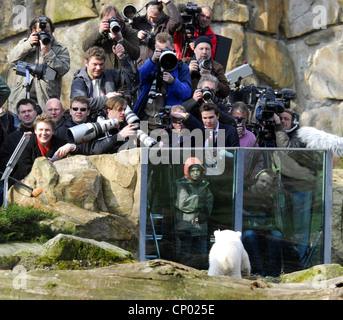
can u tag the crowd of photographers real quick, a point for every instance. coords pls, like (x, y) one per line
(152, 61)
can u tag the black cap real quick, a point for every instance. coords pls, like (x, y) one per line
(202, 39)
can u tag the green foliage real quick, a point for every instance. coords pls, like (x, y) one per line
(19, 223)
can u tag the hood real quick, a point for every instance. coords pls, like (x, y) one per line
(190, 162)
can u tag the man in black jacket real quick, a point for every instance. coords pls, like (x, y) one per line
(79, 111)
(210, 121)
(26, 110)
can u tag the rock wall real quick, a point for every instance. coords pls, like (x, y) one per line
(96, 196)
(289, 43)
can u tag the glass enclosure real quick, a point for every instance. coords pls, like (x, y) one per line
(278, 198)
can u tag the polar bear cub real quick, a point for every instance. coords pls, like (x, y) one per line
(227, 256)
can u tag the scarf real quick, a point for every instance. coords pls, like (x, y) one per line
(43, 150)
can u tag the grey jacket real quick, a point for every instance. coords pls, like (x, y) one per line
(111, 80)
(58, 59)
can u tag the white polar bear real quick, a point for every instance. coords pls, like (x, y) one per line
(227, 256)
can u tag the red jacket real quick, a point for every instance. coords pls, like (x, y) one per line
(179, 43)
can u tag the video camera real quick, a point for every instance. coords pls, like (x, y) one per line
(189, 12)
(269, 102)
(41, 71)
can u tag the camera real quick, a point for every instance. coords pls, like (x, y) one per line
(166, 118)
(131, 117)
(168, 60)
(269, 105)
(43, 35)
(40, 71)
(205, 64)
(206, 94)
(239, 121)
(114, 25)
(149, 39)
(88, 131)
(191, 12)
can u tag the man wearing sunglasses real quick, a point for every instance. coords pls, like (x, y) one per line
(79, 112)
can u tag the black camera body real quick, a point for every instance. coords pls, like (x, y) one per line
(269, 105)
(149, 40)
(40, 71)
(166, 118)
(191, 13)
(43, 35)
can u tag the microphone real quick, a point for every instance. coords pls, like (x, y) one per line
(181, 7)
(36, 192)
(287, 93)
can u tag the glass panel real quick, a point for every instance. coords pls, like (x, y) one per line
(184, 210)
(283, 211)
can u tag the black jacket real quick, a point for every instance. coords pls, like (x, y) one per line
(98, 145)
(9, 145)
(32, 152)
(231, 135)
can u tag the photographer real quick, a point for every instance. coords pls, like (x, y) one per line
(161, 88)
(115, 109)
(99, 84)
(202, 28)
(240, 113)
(79, 112)
(202, 63)
(40, 47)
(206, 92)
(155, 21)
(113, 40)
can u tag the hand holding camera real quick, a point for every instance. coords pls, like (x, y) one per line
(118, 50)
(156, 56)
(104, 26)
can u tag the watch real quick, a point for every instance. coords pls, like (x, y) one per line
(185, 117)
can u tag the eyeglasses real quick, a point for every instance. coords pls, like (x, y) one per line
(81, 109)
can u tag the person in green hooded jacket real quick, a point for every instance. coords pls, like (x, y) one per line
(194, 203)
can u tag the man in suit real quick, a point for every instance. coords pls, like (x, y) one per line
(210, 121)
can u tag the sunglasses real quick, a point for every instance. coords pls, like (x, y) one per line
(81, 109)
